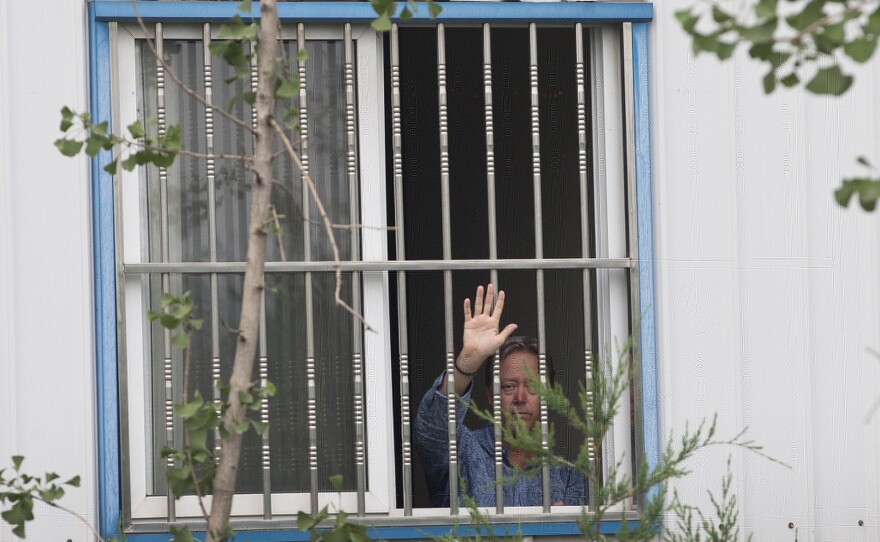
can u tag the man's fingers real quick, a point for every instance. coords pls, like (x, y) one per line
(505, 333)
(490, 296)
(478, 301)
(499, 305)
(467, 309)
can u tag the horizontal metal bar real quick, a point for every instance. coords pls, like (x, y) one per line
(409, 265)
(362, 12)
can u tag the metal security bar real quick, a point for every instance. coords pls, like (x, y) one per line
(357, 331)
(400, 246)
(539, 251)
(447, 274)
(166, 279)
(583, 168)
(210, 167)
(311, 407)
(493, 255)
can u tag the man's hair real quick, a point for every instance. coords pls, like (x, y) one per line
(518, 343)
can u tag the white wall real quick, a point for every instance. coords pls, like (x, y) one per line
(766, 296)
(46, 353)
(767, 293)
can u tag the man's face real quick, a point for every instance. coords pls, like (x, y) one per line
(516, 397)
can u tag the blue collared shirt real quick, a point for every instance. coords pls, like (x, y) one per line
(476, 452)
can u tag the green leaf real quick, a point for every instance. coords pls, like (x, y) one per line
(790, 80)
(868, 191)
(16, 461)
(187, 410)
(304, 522)
(687, 20)
(169, 321)
(19, 531)
(302, 55)
(73, 481)
(336, 481)
(287, 88)
(434, 9)
(94, 145)
(245, 6)
(136, 129)
(811, 13)
(181, 534)
(864, 161)
(51, 476)
(381, 23)
(724, 50)
(51, 494)
(68, 147)
(770, 82)
(196, 323)
(270, 389)
(66, 118)
(406, 14)
(180, 339)
(100, 128)
(765, 8)
(249, 97)
(259, 427)
(872, 26)
(835, 33)
(860, 49)
(237, 30)
(719, 15)
(762, 33)
(830, 80)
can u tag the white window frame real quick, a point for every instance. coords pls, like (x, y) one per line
(380, 494)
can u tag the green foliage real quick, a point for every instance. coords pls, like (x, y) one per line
(867, 189)
(177, 316)
(339, 530)
(593, 414)
(386, 9)
(690, 529)
(19, 491)
(815, 38)
(137, 150)
(808, 45)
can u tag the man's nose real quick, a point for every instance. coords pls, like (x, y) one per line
(520, 396)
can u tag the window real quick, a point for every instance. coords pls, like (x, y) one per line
(576, 284)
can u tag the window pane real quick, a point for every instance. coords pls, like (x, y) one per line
(189, 241)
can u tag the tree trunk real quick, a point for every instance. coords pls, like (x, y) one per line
(249, 324)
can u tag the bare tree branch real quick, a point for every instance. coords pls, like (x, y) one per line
(325, 220)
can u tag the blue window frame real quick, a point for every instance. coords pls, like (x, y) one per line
(101, 13)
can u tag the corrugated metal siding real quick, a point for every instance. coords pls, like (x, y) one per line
(46, 356)
(767, 291)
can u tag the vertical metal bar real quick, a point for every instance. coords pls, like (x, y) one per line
(493, 254)
(166, 279)
(580, 77)
(600, 217)
(447, 274)
(210, 167)
(632, 225)
(539, 249)
(312, 405)
(403, 338)
(263, 360)
(357, 330)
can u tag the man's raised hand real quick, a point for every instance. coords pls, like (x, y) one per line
(481, 337)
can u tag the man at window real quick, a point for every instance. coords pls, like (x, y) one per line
(519, 359)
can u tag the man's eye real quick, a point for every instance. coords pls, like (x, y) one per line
(508, 388)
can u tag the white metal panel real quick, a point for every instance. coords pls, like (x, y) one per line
(766, 291)
(47, 410)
